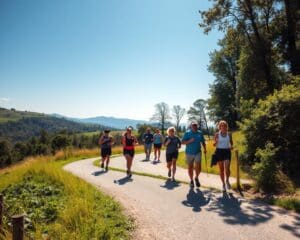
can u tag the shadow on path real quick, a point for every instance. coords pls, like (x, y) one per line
(229, 207)
(97, 173)
(123, 180)
(295, 228)
(195, 199)
(170, 185)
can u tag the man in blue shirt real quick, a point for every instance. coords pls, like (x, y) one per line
(193, 139)
(148, 140)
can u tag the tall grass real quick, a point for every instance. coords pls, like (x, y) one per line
(87, 213)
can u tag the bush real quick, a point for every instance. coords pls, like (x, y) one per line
(269, 177)
(275, 120)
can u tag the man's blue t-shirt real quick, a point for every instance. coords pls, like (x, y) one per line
(148, 138)
(194, 147)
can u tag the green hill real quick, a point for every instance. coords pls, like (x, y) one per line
(21, 125)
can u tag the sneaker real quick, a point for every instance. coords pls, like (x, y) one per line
(173, 179)
(102, 165)
(130, 175)
(169, 173)
(192, 183)
(228, 185)
(197, 182)
(223, 188)
(106, 168)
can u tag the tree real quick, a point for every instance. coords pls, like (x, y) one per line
(223, 101)
(255, 19)
(178, 113)
(59, 142)
(161, 114)
(197, 113)
(5, 155)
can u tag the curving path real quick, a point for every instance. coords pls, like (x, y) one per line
(166, 210)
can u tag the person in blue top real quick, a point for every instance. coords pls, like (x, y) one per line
(157, 142)
(148, 140)
(193, 139)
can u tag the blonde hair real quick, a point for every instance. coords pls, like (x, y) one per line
(223, 122)
(169, 129)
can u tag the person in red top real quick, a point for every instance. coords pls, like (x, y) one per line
(129, 141)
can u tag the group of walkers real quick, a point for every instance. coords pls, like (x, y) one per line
(193, 139)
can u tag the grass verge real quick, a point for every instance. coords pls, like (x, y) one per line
(81, 211)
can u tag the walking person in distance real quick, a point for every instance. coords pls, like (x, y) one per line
(105, 142)
(128, 142)
(172, 143)
(157, 142)
(148, 140)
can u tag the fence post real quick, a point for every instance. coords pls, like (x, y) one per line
(1, 210)
(18, 227)
(238, 184)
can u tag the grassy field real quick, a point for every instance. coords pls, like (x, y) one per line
(237, 138)
(82, 213)
(9, 115)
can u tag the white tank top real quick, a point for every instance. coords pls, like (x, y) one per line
(223, 142)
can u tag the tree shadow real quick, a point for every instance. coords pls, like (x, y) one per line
(295, 228)
(170, 185)
(195, 199)
(229, 207)
(97, 173)
(123, 180)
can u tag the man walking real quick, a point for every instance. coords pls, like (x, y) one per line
(148, 140)
(193, 139)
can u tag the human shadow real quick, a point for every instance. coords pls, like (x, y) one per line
(195, 199)
(123, 180)
(144, 160)
(294, 228)
(97, 173)
(229, 207)
(170, 185)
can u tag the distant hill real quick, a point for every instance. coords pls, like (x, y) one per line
(21, 125)
(118, 123)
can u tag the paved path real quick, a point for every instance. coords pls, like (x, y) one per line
(166, 210)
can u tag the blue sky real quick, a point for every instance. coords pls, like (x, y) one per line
(85, 58)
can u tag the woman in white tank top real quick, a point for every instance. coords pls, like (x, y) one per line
(224, 144)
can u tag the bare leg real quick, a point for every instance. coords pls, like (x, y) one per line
(158, 154)
(191, 170)
(129, 162)
(227, 169)
(197, 169)
(221, 167)
(174, 167)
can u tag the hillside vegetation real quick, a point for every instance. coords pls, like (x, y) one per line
(19, 126)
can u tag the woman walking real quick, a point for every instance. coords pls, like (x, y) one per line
(128, 141)
(224, 145)
(105, 143)
(173, 143)
(157, 141)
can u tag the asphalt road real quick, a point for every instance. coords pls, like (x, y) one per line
(167, 210)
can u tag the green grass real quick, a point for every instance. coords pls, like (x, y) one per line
(237, 138)
(288, 203)
(8, 115)
(85, 213)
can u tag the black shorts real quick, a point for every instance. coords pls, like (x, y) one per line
(171, 156)
(223, 154)
(157, 145)
(105, 152)
(128, 152)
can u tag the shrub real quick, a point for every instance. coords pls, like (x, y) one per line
(274, 120)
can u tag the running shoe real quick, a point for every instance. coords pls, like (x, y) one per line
(169, 173)
(173, 179)
(102, 165)
(223, 188)
(106, 168)
(192, 184)
(228, 185)
(197, 182)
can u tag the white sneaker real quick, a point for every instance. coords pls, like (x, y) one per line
(228, 185)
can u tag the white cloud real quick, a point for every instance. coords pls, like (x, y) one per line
(4, 100)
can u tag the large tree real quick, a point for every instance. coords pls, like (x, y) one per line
(255, 19)
(178, 113)
(161, 115)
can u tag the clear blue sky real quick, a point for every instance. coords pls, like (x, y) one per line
(84, 58)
